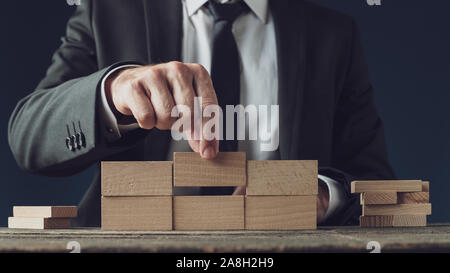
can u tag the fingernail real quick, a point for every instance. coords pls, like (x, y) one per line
(209, 152)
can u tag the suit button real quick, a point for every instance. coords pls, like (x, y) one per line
(76, 144)
(69, 143)
(78, 140)
(82, 139)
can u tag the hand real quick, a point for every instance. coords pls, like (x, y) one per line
(323, 200)
(150, 92)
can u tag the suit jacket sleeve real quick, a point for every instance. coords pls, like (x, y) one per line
(67, 95)
(359, 147)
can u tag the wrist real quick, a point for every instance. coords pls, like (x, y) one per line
(109, 89)
(323, 200)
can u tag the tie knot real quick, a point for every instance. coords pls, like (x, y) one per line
(226, 12)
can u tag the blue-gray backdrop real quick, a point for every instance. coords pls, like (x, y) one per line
(407, 44)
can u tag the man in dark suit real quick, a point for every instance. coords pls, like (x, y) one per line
(123, 66)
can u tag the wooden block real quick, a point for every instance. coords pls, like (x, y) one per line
(400, 209)
(280, 212)
(282, 177)
(136, 178)
(38, 223)
(208, 212)
(227, 169)
(378, 198)
(393, 221)
(426, 186)
(386, 185)
(137, 213)
(45, 211)
(413, 197)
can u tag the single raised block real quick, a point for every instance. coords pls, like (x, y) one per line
(282, 177)
(208, 212)
(379, 198)
(38, 223)
(45, 211)
(280, 212)
(386, 185)
(393, 221)
(226, 170)
(400, 209)
(136, 178)
(137, 213)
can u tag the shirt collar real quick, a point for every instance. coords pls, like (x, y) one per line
(259, 7)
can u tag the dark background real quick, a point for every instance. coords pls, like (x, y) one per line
(407, 44)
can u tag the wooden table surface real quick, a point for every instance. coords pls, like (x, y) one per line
(434, 238)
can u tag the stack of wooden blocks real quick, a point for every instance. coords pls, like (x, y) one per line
(139, 195)
(281, 194)
(42, 217)
(136, 195)
(393, 203)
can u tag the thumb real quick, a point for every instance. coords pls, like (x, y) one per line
(207, 149)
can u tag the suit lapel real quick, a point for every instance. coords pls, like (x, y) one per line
(291, 52)
(163, 19)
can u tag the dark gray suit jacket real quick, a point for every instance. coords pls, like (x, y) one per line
(326, 102)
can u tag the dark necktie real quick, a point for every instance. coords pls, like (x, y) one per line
(225, 67)
(225, 71)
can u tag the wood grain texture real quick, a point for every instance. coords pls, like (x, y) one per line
(282, 177)
(413, 197)
(208, 212)
(400, 209)
(45, 211)
(227, 169)
(280, 212)
(338, 239)
(38, 223)
(379, 198)
(386, 185)
(393, 221)
(136, 178)
(137, 213)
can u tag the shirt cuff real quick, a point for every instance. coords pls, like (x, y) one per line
(112, 127)
(337, 196)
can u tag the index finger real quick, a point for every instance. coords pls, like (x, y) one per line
(203, 87)
(203, 84)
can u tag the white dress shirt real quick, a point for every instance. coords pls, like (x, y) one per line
(254, 33)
